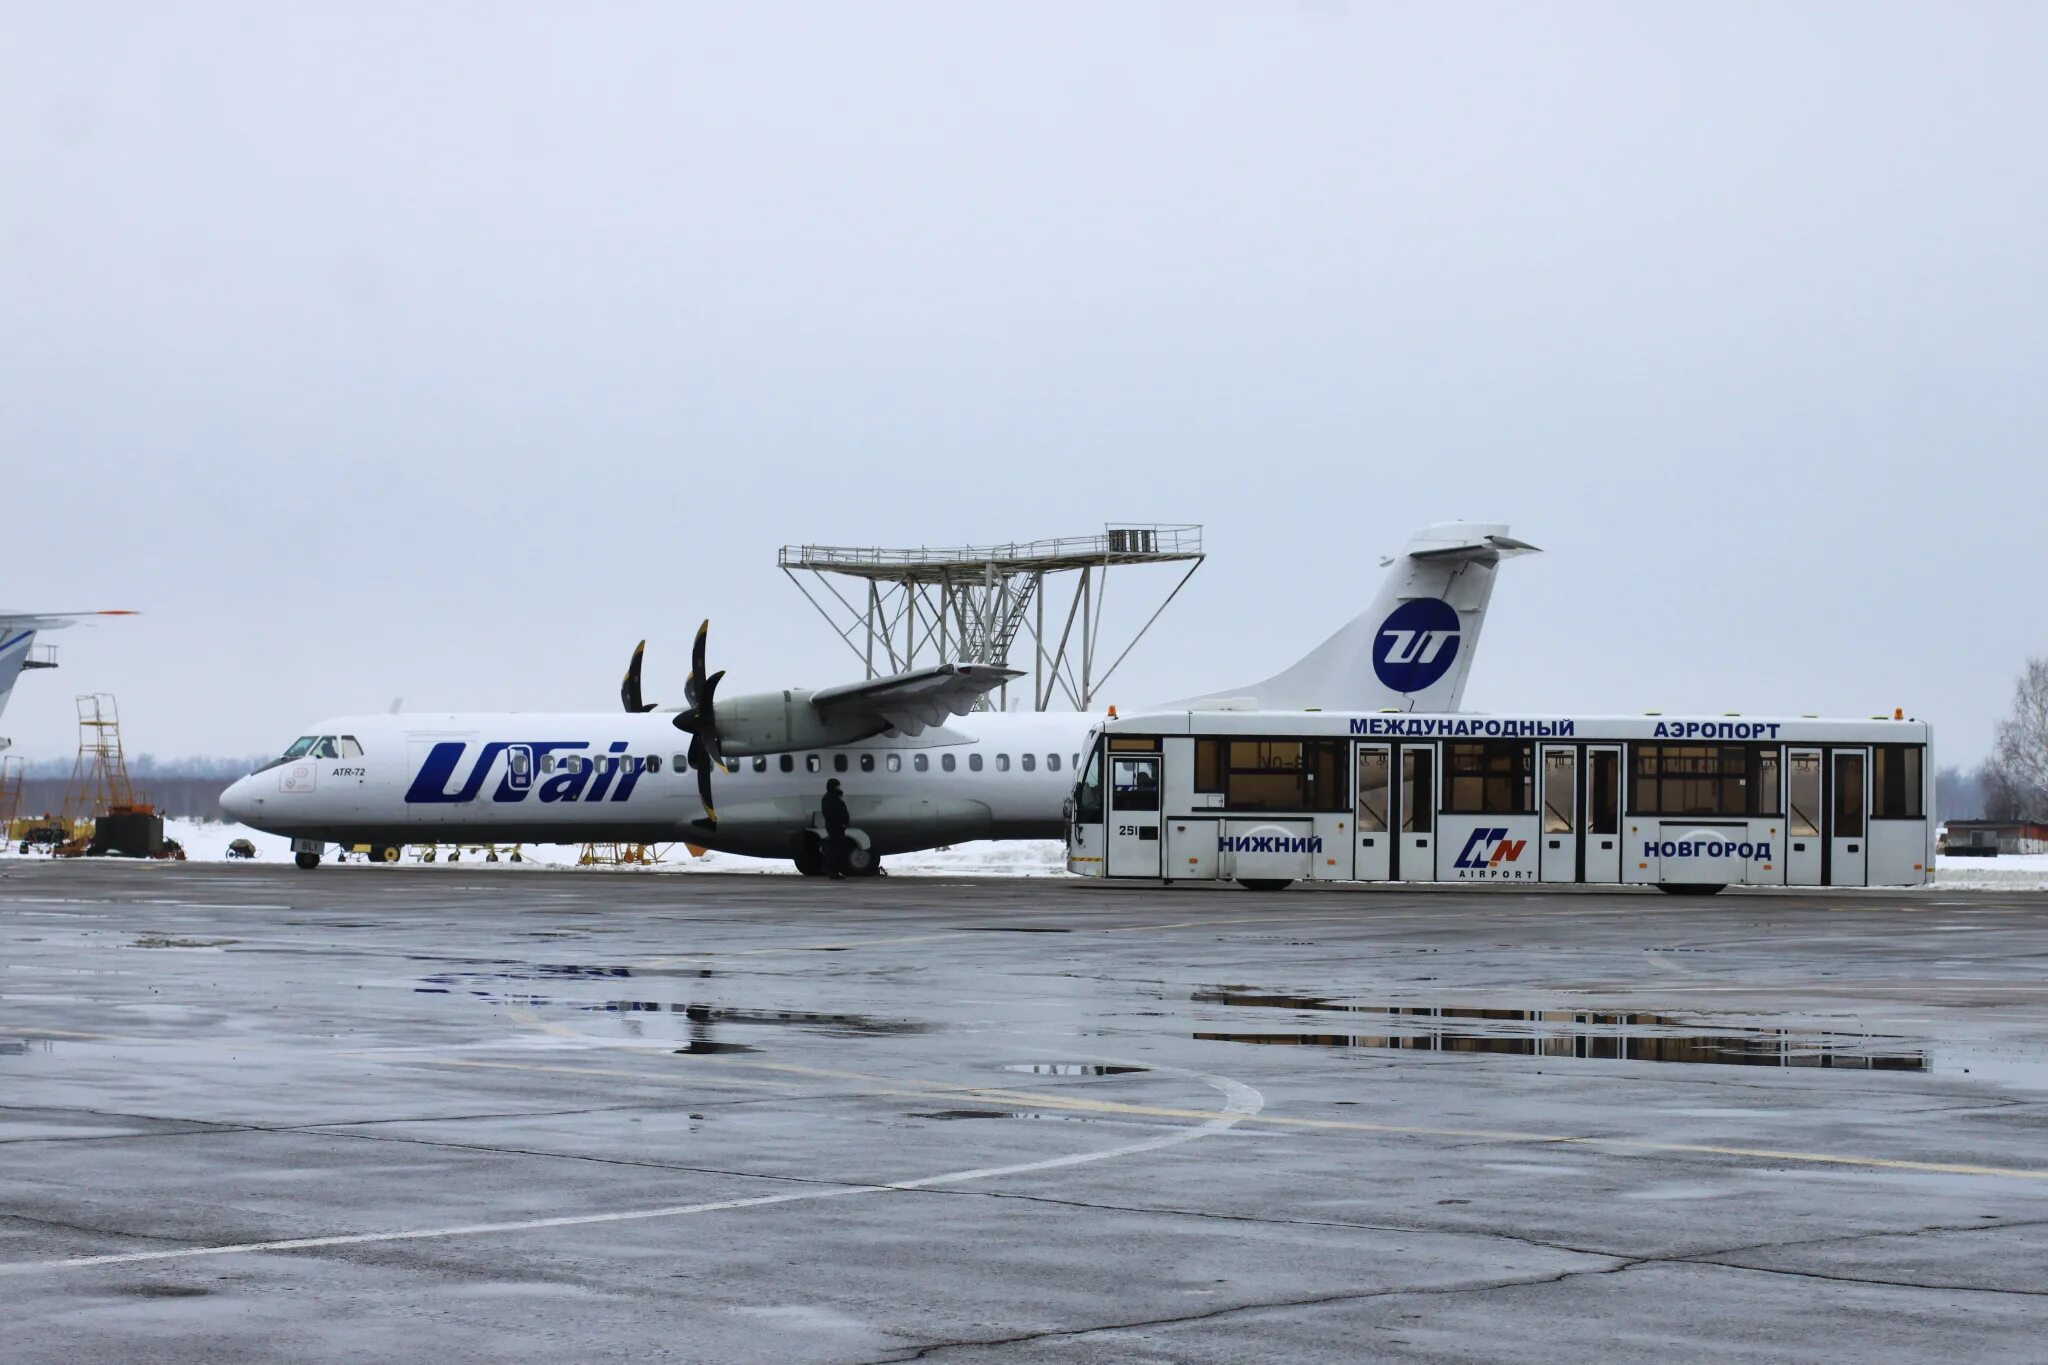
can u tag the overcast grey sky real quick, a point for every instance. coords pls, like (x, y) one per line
(445, 350)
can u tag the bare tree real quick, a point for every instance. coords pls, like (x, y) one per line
(2016, 776)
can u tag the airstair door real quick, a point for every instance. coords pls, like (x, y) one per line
(1559, 857)
(1372, 851)
(1134, 842)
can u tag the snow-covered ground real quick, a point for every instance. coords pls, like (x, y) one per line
(207, 841)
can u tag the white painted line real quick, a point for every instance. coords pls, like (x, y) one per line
(1240, 1102)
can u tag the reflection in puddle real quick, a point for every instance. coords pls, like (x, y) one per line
(1776, 1048)
(1072, 1069)
(698, 1047)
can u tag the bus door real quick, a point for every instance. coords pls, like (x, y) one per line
(1602, 822)
(1133, 815)
(1373, 852)
(1415, 815)
(1805, 854)
(1558, 860)
(1848, 804)
(1085, 841)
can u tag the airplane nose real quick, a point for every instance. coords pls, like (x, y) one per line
(239, 802)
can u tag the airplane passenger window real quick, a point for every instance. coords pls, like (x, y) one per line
(1002, 763)
(921, 762)
(760, 765)
(788, 764)
(867, 763)
(1052, 763)
(895, 763)
(812, 763)
(547, 763)
(350, 748)
(974, 763)
(324, 747)
(682, 763)
(946, 762)
(1030, 762)
(654, 763)
(839, 763)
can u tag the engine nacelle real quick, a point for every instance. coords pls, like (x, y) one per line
(778, 722)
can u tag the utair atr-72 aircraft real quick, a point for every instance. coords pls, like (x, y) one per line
(744, 774)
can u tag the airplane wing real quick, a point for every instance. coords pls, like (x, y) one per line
(50, 620)
(911, 701)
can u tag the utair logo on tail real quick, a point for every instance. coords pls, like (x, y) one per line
(1490, 855)
(1416, 644)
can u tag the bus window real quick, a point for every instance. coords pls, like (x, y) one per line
(1209, 764)
(1137, 784)
(1848, 795)
(1375, 783)
(1491, 778)
(1418, 791)
(1283, 774)
(1560, 780)
(1713, 779)
(1603, 792)
(1088, 795)
(1895, 782)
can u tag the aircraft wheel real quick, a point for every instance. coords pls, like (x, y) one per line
(810, 858)
(516, 858)
(861, 862)
(1264, 883)
(492, 856)
(307, 861)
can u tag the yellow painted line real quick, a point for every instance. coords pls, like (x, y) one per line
(885, 1086)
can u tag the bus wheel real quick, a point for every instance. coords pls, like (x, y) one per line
(307, 861)
(810, 859)
(1263, 883)
(1690, 888)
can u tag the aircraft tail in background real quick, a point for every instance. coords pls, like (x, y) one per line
(1412, 649)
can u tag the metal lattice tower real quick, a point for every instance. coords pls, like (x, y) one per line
(917, 607)
(99, 779)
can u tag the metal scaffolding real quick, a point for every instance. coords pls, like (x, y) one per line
(917, 607)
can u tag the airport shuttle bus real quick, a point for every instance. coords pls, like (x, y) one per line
(1685, 804)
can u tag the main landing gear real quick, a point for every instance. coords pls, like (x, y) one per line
(860, 860)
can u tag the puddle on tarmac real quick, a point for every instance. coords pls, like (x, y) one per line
(1007, 929)
(1072, 1069)
(698, 1047)
(1578, 1034)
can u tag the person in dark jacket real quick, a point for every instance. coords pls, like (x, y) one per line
(833, 808)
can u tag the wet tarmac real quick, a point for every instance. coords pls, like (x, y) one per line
(249, 1113)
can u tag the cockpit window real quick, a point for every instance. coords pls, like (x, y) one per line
(350, 748)
(326, 747)
(301, 745)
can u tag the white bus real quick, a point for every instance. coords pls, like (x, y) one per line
(1685, 804)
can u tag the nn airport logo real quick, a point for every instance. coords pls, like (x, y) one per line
(1489, 855)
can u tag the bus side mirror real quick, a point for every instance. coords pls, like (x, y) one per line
(1067, 810)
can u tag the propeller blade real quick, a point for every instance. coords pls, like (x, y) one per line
(701, 761)
(693, 690)
(629, 690)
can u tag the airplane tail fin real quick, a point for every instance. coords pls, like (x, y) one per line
(1412, 648)
(14, 650)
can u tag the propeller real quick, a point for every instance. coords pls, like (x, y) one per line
(629, 690)
(699, 720)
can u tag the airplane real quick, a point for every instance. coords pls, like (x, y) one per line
(18, 636)
(921, 768)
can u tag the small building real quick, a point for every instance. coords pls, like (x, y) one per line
(1987, 838)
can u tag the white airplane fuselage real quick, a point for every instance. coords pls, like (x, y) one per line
(564, 778)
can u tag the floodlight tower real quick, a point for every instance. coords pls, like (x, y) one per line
(916, 607)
